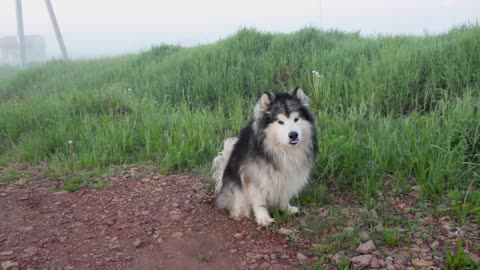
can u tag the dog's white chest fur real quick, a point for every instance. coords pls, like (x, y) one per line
(278, 183)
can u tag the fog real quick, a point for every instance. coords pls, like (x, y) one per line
(94, 28)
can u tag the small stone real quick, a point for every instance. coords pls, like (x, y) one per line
(238, 235)
(416, 188)
(265, 265)
(284, 231)
(366, 247)
(6, 253)
(254, 256)
(109, 221)
(25, 229)
(379, 228)
(323, 212)
(9, 265)
(348, 230)
(421, 263)
(300, 256)
(176, 235)
(233, 251)
(137, 243)
(60, 192)
(435, 245)
(364, 236)
(336, 258)
(374, 263)
(362, 260)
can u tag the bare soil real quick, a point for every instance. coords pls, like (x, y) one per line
(139, 220)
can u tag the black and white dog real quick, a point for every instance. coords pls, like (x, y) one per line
(271, 159)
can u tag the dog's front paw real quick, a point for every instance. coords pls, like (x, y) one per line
(293, 209)
(264, 220)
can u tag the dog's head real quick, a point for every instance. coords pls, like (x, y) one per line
(284, 117)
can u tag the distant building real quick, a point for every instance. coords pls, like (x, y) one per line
(35, 50)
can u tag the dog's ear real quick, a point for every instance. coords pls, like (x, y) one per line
(263, 102)
(300, 95)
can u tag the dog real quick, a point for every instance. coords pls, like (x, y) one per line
(271, 159)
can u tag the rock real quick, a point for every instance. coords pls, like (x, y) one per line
(379, 228)
(323, 212)
(348, 230)
(254, 256)
(284, 231)
(6, 253)
(362, 260)
(364, 236)
(25, 229)
(435, 245)
(238, 235)
(265, 265)
(300, 256)
(137, 243)
(109, 221)
(366, 247)
(421, 263)
(176, 235)
(374, 263)
(336, 258)
(9, 265)
(416, 188)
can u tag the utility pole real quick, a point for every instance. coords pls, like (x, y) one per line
(20, 34)
(56, 28)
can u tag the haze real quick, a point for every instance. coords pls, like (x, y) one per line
(102, 28)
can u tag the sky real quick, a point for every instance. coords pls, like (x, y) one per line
(94, 28)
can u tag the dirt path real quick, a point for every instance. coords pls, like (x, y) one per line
(139, 220)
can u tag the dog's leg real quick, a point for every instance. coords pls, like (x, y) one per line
(260, 210)
(285, 205)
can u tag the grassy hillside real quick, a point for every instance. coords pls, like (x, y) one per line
(396, 108)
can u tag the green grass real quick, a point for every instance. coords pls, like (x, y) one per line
(402, 106)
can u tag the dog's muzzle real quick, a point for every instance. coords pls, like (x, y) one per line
(293, 137)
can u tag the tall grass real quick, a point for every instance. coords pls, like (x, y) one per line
(398, 107)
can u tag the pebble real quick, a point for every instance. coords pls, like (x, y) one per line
(176, 235)
(25, 229)
(366, 247)
(238, 235)
(374, 263)
(284, 231)
(137, 243)
(6, 253)
(362, 260)
(254, 256)
(364, 236)
(301, 256)
(9, 265)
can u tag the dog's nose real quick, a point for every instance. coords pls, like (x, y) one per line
(293, 135)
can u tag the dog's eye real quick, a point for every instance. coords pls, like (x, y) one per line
(280, 122)
(296, 119)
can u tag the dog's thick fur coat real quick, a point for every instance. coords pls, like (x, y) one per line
(271, 159)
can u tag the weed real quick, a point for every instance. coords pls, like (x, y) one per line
(10, 174)
(460, 260)
(465, 204)
(71, 186)
(99, 185)
(391, 237)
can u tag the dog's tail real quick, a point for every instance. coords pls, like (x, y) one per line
(220, 162)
